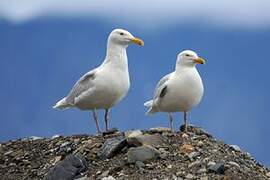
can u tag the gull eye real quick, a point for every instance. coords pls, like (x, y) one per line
(121, 33)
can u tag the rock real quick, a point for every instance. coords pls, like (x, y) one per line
(193, 155)
(142, 153)
(211, 163)
(110, 131)
(133, 133)
(202, 170)
(186, 149)
(67, 169)
(268, 174)
(83, 178)
(104, 174)
(218, 168)
(111, 147)
(56, 136)
(235, 148)
(189, 176)
(139, 164)
(196, 130)
(108, 178)
(64, 144)
(32, 138)
(147, 139)
(204, 178)
(159, 130)
(234, 164)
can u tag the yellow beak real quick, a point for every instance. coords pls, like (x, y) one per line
(137, 41)
(199, 60)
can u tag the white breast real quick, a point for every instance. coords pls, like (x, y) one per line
(184, 91)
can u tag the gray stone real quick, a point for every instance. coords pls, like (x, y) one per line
(83, 178)
(67, 169)
(111, 147)
(196, 130)
(65, 144)
(108, 178)
(189, 176)
(211, 163)
(139, 164)
(104, 174)
(159, 130)
(32, 138)
(202, 170)
(146, 139)
(56, 136)
(110, 131)
(143, 154)
(234, 164)
(218, 168)
(133, 133)
(235, 148)
(193, 155)
(204, 178)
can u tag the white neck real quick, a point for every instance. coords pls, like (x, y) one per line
(116, 55)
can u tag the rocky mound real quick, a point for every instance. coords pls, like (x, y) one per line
(153, 154)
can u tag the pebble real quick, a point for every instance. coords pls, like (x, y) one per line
(133, 133)
(147, 139)
(139, 164)
(202, 170)
(108, 178)
(211, 163)
(64, 144)
(111, 147)
(204, 178)
(159, 130)
(56, 136)
(235, 147)
(110, 131)
(193, 155)
(218, 168)
(234, 164)
(104, 174)
(186, 149)
(189, 176)
(196, 130)
(142, 153)
(8, 153)
(32, 138)
(83, 178)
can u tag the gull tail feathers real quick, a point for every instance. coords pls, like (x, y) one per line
(152, 109)
(62, 104)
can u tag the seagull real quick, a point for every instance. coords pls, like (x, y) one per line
(180, 90)
(106, 85)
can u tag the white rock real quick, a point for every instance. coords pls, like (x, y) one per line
(56, 136)
(108, 178)
(160, 129)
(235, 147)
(133, 133)
(234, 164)
(211, 163)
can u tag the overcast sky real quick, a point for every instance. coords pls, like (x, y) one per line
(151, 13)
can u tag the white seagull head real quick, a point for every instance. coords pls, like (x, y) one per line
(124, 38)
(189, 58)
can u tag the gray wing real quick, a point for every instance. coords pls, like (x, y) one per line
(161, 87)
(82, 85)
